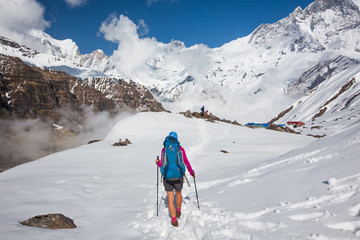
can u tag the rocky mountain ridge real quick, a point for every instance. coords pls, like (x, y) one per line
(31, 92)
(43, 111)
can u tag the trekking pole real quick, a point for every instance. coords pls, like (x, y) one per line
(157, 188)
(197, 197)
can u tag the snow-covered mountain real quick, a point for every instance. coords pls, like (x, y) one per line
(68, 49)
(253, 70)
(319, 73)
(331, 105)
(60, 48)
(55, 54)
(252, 78)
(95, 60)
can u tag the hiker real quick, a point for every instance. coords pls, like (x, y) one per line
(172, 165)
(202, 110)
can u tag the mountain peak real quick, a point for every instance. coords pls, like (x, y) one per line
(323, 5)
(298, 10)
(61, 48)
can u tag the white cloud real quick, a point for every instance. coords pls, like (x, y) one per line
(120, 29)
(133, 52)
(19, 16)
(143, 28)
(75, 3)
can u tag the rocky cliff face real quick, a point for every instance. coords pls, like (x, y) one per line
(31, 92)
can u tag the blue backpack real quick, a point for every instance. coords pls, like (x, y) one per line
(173, 167)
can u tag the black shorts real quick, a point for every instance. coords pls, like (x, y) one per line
(171, 185)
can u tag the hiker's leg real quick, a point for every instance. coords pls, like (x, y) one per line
(170, 196)
(178, 199)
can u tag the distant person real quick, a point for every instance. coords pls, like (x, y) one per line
(202, 110)
(172, 167)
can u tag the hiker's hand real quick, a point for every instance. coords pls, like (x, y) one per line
(194, 175)
(157, 160)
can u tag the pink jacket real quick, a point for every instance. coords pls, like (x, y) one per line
(186, 161)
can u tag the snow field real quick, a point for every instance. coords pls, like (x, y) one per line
(270, 185)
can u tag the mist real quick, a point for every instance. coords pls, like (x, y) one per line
(25, 140)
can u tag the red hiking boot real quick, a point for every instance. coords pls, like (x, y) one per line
(174, 223)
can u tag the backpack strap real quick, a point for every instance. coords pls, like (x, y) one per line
(180, 157)
(165, 164)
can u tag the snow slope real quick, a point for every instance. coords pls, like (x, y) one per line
(330, 106)
(269, 185)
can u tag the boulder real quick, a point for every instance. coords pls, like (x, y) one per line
(122, 143)
(188, 114)
(51, 221)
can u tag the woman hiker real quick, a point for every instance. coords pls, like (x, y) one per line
(173, 174)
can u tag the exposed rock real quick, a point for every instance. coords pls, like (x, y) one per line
(224, 151)
(122, 93)
(122, 143)
(49, 97)
(316, 136)
(212, 118)
(52, 221)
(283, 113)
(341, 91)
(94, 141)
(281, 129)
(188, 114)
(310, 79)
(31, 92)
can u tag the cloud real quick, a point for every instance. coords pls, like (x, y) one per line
(143, 28)
(24, 140)
(76, 3)
(18, 17)
(133, 51)
(196, 60)
(120, 29)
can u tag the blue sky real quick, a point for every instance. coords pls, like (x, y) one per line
(210, 22)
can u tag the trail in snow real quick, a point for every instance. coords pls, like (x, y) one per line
(202, 141)
(264, 188)
(211, 222)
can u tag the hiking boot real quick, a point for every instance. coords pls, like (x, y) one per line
(175, 223)
(178, 214)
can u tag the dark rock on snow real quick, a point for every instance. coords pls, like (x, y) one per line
(281, 129)
(51, 221)
(122, 143)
